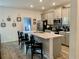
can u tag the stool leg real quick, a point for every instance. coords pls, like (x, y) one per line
(41, 53)
(19, 41)
(32, 56)
(22, 44)
(31, 53)
(27, 47)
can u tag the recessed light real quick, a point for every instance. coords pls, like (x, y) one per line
(43, 8)
(41, 0)
(53, 3)
(31, 6)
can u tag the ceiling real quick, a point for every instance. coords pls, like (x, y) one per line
(36, 3)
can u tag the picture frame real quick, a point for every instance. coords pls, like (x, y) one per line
(34, 19)
(34, 23)
(3, 24)
(8, 19)
(19, 19)
(13, 24)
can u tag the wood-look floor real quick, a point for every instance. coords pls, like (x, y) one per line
(11, 50)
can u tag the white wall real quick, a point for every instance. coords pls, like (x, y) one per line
(9, 33)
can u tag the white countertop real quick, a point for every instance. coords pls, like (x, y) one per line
(46, 35)
(68, 32)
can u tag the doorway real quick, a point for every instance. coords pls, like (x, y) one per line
(27, 27)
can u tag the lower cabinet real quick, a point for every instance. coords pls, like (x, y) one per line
(65, 39)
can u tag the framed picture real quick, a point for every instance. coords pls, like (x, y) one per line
(34, 19)
(19, 19)
(8, 19)
(34, 23)
(3, 24)
(14, 24)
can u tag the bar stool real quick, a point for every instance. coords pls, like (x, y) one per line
(24, 40)
(36, 46)
(20, 36)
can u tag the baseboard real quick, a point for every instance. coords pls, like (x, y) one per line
(8, 41)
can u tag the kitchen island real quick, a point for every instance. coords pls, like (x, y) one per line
(51, 43)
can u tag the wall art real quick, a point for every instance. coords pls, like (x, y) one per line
(3, 24)
(8, 19)
(34, 21)
(19, 19)
(14, 24)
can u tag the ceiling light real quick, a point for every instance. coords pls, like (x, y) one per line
(41, 0)
(54, 4)
(31, 6)
(43, 7)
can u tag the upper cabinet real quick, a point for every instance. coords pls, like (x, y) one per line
(65, 12)
(49, 16)
(52, 14)
(58, 12)
(66, 16)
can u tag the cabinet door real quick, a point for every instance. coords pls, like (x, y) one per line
(50, 18)
(67, 39)
(58, 13)
(63, 40)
